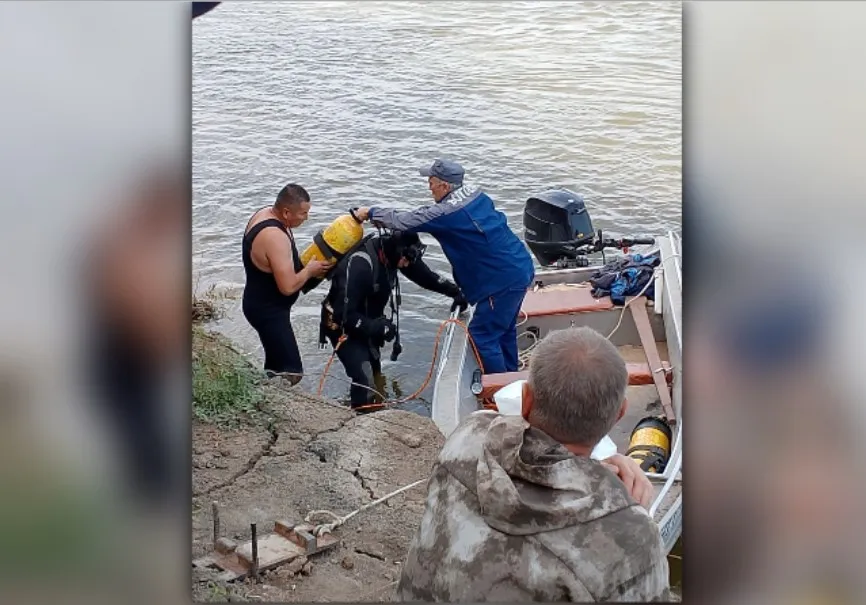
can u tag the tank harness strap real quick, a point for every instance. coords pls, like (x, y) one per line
(394, 301)
(319, 240)
(372, 253)
(653, 460)
(645, 448)
(344, 260)
(373, 266)
(655, 456)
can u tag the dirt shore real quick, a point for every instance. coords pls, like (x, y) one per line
(266, 453)
(303, 453)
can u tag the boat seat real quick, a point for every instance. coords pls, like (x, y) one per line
(639, 374)
(562, 300)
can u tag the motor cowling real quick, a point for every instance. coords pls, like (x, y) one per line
(554, 222)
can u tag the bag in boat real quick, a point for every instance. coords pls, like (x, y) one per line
(509, 399)
(625, 276)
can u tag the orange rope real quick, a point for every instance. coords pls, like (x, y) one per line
(414, 395)
(432, 366)
(340, 341)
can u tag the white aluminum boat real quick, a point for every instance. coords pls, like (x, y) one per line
(647, 333)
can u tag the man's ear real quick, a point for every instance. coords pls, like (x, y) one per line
(527, 399)
(622, 410)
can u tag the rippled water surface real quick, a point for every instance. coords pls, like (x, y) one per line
(350, 98)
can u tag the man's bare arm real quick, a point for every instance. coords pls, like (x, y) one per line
(278, 251)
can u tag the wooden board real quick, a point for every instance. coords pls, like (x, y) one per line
(273, 549)
(563, 301)
(641, 321)
(638, 374)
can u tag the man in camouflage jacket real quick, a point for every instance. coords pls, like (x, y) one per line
(517, 510)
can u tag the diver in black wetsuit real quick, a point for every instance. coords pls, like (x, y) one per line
(363, 284)
(275, 277)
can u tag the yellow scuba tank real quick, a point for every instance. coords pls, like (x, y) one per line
(650, 444)
(332, 243)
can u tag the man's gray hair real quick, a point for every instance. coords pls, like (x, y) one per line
(578, 381)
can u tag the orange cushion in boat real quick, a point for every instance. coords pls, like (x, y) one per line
(639, 374)
(561, 301)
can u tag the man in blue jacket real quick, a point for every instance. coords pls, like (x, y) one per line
(490, 264)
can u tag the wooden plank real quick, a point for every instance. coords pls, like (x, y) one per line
(563, 301)
(642, 322)
(639, 374)
(273, 550)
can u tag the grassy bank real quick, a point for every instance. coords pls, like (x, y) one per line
(226, 389)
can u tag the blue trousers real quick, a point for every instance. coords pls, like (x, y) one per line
(494, 330)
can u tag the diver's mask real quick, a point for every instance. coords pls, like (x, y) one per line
(414, 252)
(403, 245)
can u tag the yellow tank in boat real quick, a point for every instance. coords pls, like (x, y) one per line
(332, 243)
(650, 444)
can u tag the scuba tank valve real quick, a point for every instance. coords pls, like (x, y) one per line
(650, 444)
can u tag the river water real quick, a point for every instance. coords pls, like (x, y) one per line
(350, 98)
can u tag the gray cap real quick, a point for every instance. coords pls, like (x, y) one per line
(446, 170)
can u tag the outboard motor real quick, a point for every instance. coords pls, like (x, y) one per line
(555, 222)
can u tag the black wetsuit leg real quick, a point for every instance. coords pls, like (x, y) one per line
(362, 368)
(274, 327)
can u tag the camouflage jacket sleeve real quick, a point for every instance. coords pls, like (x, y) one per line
(650, 584)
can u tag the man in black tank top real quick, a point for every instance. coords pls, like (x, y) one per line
(275, 276)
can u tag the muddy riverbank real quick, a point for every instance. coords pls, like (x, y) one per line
(285, 453)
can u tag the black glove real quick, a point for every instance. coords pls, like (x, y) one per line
(381, 330)
(459, 301)
(390, 330)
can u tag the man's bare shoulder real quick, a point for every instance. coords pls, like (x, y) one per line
(270, 248)
(272, 239)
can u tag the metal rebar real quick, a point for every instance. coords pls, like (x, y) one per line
(215, 513)
(254, 572)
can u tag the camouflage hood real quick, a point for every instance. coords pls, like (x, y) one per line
(516, 470)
